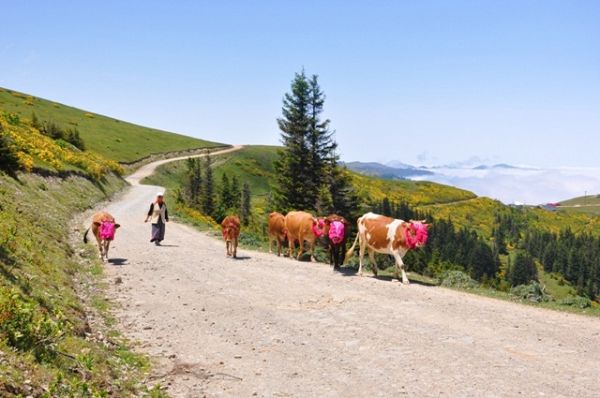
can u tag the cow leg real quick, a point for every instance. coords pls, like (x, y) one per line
(332, 255)
(279, 245)
(106, 247)
(361, 254)
(227, 248)
(301, 244)
(312, 251)
(271, 244)
(291, 245)
(100, 248)
(400, 264)
(373, 263)
(235, 245)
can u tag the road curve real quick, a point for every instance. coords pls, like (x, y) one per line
(273, 327)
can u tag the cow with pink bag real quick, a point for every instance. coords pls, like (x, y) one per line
(336, 230)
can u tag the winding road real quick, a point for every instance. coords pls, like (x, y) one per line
(273, 327)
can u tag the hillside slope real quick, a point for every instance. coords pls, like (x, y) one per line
(584, 204)
(109, 137)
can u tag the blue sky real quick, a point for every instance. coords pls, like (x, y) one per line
(425, 82)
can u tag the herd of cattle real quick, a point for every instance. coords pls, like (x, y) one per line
(375, 234)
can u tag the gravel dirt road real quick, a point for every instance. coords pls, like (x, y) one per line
(273, 327)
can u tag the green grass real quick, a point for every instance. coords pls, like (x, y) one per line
(47, 284)
(584, 204)
(109, 137)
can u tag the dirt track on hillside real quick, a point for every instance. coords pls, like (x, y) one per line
(272, 327)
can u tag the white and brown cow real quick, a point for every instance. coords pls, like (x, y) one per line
(276, 231)
(103, 227)
(302, 227)
(387, 235)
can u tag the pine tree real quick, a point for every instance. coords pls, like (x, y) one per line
(522, 270)
(225, 202)
(208, 194)
(246, 210)
(292, 165)
(193, 186)
(307, 161)
(321, 144)
(236, 194)
(386, 207)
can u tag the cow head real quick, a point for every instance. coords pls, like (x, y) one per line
(107, 229)
(318, 227)
(416, 234)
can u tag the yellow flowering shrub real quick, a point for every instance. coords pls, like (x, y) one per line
(32, 148)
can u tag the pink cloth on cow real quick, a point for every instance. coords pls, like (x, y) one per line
(107, 230)
(317, 228)
(337, 232)
(416, 235)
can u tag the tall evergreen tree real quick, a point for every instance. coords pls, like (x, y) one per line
(308, 162)
(246, 210)
(225, 203)
(208, 194)
(193, 186)
(292, 166)
(236, 194)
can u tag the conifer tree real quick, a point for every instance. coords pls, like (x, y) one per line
(236, 194)
(246, 210)
(193, 187)
(292, 165)
(208, 194)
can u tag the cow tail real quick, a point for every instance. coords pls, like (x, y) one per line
(85, 239)
(350, 252)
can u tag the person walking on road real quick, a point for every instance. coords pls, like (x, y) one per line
(159, 216)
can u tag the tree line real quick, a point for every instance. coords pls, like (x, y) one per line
(200, 192)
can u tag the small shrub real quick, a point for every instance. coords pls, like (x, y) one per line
(532, 292)
(8, 159)
(457, 279)
(578, 302)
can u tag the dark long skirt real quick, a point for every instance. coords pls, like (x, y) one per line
(158, 231)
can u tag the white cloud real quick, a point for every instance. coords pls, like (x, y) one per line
(527, 185)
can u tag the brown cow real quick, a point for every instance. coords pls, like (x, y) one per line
(389, 236)
(302, 226)
(104, 228)
(336, 230)
(231, 233)
(276, 231)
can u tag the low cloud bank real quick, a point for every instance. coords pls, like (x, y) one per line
(522, 184)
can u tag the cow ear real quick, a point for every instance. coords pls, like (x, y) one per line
(117, 225)
(96, 223)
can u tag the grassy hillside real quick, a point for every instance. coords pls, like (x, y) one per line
(49, 294)
(24, 147)
(583, 204)
(480, 214)
(111, 138)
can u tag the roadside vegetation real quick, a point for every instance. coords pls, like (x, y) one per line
(56, 338)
